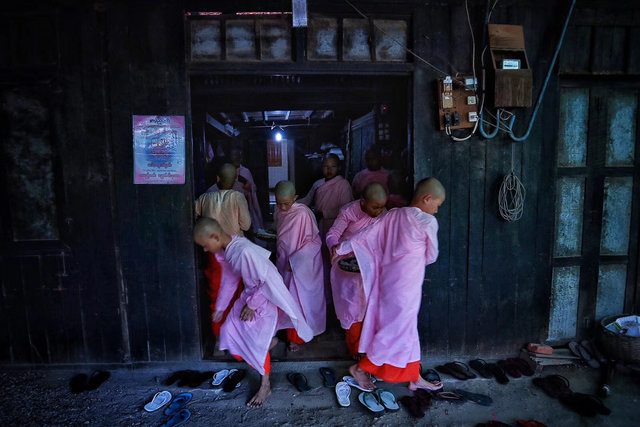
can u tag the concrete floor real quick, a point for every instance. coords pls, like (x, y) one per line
(39, 397)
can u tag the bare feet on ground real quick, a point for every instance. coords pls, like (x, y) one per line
(274, 342)
(263, 392)
(293, 347)
(424, 384)
(361, 377)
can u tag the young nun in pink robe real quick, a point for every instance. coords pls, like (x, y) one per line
(299, 259)
(327, 196)
(373, 173)
(349, 294)
(392, 255)
(248, 333)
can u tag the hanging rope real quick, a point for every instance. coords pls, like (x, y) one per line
(511, 195)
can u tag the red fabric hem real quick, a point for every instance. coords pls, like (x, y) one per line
(391, 374)
(267, 363)
(352, 336)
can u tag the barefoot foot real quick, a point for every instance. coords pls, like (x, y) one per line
(425, 385)
(263, 392)
(361, 377)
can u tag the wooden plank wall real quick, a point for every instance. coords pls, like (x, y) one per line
(132, 295)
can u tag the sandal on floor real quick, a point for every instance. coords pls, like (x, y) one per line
(178, 403)
(480, 366)
(555, 386)
(328, 377)
(299, 381)
(522, 366)
(387, 399)
(233, 380)
(450, 396)
(424, 397)
(370, 401)
(498, 373)
(461, 368)
(353, 383)
(480, 399)
(343, 391)
(160, 399)
(451, 372)
(585, 404)
(413, 406)
(509, 368)
(179, 418)
(220, 376)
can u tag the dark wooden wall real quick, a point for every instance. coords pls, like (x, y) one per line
(130, 293)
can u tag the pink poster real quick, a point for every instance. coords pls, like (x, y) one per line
(158, 150)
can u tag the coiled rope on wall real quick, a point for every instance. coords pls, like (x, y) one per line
(511, 195)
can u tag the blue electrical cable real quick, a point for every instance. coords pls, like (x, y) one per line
(544, 87)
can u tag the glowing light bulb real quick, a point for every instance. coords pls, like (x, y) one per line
(278, 136)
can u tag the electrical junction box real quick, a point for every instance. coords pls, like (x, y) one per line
(512, 87)
(455, 104)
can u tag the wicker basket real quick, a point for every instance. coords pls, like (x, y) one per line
(618, 346)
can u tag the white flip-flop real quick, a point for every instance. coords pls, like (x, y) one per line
(343, 391)
(220, 376)
(353, 383)
(160, 399)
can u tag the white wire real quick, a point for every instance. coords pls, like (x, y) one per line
(511, 195)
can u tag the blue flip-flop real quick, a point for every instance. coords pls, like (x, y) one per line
(178, 403)
(179, 418)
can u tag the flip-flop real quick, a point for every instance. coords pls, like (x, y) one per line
(387, 399)
(353, 383)
(450, 396)
(451, 372)
(220, 376)
(299, 381)
(555, 386)
(595, 351)
(480, 399)
(370, 401)
(160, 399)
(498, 373)
(413, 406)
(96, 379)
(509, 368)
(78, 383)
(328, 376)
(178, 403)
(585, 404)
(480, 366)
(431, 375)
(232, 381)
(343, 391)
(179, 418)
(522, 366)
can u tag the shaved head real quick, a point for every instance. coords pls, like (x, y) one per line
(285, 189)
(228, 175)
(429, 186)
(205, 227)
(374, 191)
(333, 156)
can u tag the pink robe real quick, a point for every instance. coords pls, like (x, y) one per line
(328, 197)
(300, 263)
(263, 292)
(349, 294)
(392, 255)
(367, 176)
(249, 191)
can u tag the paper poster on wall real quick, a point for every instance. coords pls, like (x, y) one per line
(158, 150)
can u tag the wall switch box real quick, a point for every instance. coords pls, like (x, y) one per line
(510, 64)
(473, 116)
(471, 100)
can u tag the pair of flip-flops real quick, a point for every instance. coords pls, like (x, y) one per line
(477, 398)
(457, 370)
(489, 370)
(587, 352)
(516, 367)
(229, 379)
(83, 382)
(188, 378)
(299, 381)
(379, 400)
(176, 410)
(558, 387)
